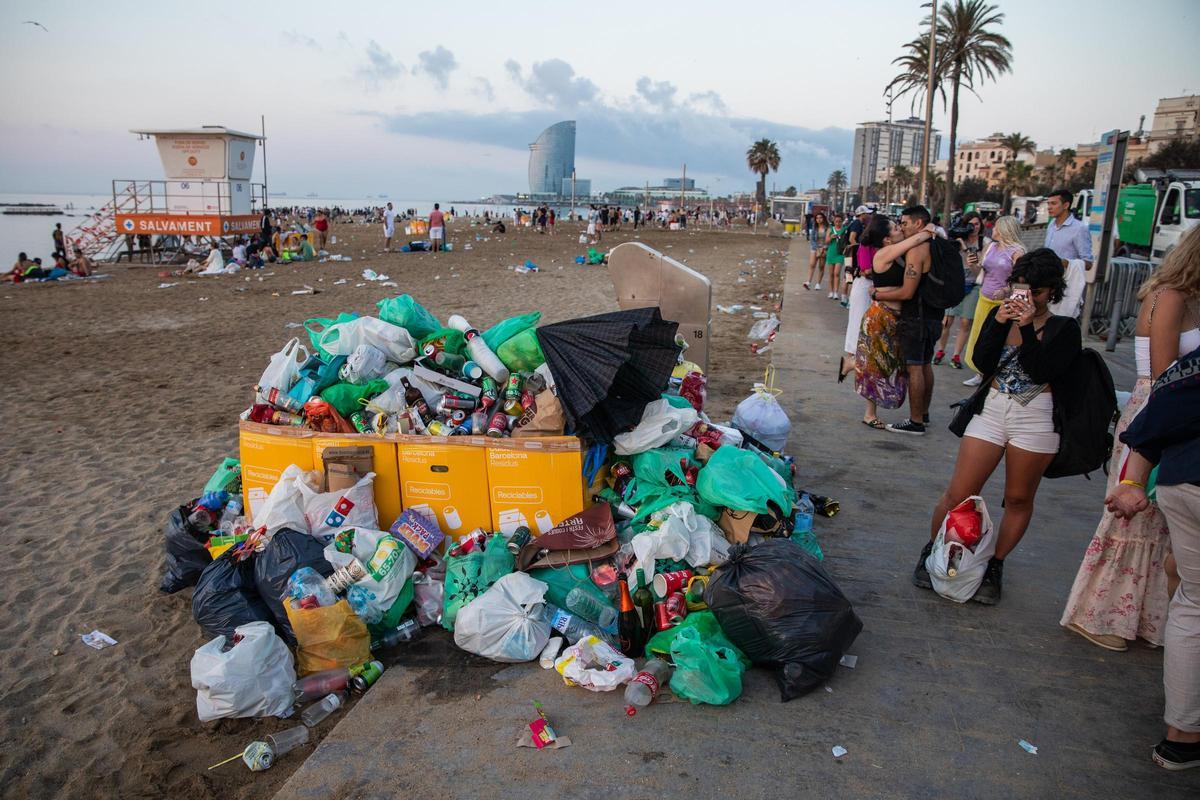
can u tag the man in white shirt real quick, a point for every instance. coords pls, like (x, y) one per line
(389, 227)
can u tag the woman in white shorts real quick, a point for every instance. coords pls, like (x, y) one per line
(1018, 422)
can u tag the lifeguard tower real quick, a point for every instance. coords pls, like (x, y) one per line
(207, 192)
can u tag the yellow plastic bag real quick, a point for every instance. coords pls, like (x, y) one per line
(328, 637)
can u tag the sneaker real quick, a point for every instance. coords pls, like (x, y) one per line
(988, 592)
(1176, 755)
(956, 362)
(920, 576)
(816, 287)
(806, 286)
(844, 304)
(926, 420)
(1108, 641)
(833, 295)
(938, 356)
(909, 427)
(974, 380)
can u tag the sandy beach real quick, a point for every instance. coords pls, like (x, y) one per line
(121, 399)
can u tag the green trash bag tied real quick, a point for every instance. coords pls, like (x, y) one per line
(739, 480)
(408, 314)
(504, 330)
(470, 575)
(347, 397)
(704, 673)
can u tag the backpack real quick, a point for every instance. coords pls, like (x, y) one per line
(844, 239)
(945, 285)
(1086, 403)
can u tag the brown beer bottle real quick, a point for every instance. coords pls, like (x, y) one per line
(414, 399)
(629, 627)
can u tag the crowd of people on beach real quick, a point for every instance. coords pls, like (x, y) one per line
(1016, 330)
(33, 269)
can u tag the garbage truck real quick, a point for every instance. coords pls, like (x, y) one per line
(1154, 213)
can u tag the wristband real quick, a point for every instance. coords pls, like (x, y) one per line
(1131, 482)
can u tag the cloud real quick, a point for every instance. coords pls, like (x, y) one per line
(553, 83)
(437, 64)
(381, 66)
(483, 88)
(709, 100)
(660, 94)
(294, 37)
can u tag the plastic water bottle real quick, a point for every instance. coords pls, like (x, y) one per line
(585, 604)
(306, 582)
(317, 712)
(233, 510)
(285, 741)
(573, 627)
(362, 603)
(641, 691)
(804, 513)
(406, 631)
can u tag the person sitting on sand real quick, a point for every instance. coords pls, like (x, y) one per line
(19, 269)
(82, 265)
(303, 250)
(499, 227)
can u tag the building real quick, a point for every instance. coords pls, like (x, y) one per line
(987, 159)
(551, 159)
(582, 187)
(1174, 117)
(659, 194)
(674, 183)
(879, 146)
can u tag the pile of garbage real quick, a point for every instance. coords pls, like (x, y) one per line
(697, 552)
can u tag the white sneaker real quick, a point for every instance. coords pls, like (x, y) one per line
(817, 287)
(974, 380)
(832, 295)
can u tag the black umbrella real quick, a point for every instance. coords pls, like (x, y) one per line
(608, 367)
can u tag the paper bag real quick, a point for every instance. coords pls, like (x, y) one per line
(544, 418)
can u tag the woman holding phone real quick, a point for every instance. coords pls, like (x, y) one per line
(996, 265)
(1025, 350)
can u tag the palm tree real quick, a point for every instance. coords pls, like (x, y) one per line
(937, 189)
(1065, 162)
(1018, 177)
(974, 52)
(761, 158)
(913, 78)
(837, 182)
(903, 177)
(1017, 143)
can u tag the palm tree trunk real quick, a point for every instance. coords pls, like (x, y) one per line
(956, 79)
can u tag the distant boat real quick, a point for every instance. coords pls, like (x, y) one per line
(311, 194)
(33, 208)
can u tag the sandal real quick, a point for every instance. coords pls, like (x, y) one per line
(876, 423)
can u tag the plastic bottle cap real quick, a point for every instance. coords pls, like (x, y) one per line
(630, 710)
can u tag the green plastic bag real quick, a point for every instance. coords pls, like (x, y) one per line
(522, 352)
(594, 256)
(704, 672)
(504, 330)
(561, 580)
(470, 575)
(708, 629)
(497, 560)
(675, 401)
(394, 614)
(408, 314)
(317, 326)
(454, 343)
(653, 466)
(808, 541)
(226, 478)
(346, 397)
(739, 480)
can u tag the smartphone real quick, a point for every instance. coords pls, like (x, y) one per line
(1020, 290)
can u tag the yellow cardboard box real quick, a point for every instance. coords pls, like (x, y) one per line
(446, 478)
(266, 451)
(534, 482)
(387, 473)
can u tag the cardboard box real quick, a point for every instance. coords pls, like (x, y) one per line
(446, 478)
(345, 466)
(266, 451)
(387, 473)
(534, 482)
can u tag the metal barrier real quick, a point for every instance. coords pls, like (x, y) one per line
(1115, 302)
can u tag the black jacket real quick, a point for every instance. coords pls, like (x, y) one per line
(1046, 360)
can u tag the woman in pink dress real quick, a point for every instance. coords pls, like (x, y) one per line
(1121, 591)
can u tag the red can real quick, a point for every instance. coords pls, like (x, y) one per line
(450, 402)
(526, 399)
(621, 470)
(498, 424)
(676, 608)
(662, 616)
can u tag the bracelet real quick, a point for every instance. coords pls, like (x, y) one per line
(1131, 482)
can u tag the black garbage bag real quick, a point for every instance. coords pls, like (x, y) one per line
(226, 597)
(288, 551)
(186, 554)
(779, 605)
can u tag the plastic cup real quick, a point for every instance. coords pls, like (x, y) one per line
(283, 741)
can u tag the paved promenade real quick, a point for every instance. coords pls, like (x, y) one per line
(940, 697)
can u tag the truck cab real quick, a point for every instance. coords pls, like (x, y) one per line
(1154, 214)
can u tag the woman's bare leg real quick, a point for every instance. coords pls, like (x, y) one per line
(976, 462)
(1022, 474)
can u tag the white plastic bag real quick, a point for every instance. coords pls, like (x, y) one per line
(761, 416)
(325, 512)
(252, 679)
(342, 338)
(284, 506)
(971, 565)
(595, 665)
(506, 623)
(763, 328)
(661, 422)
(283, 370)
(366, 363)
(706, 542)
(388, 561)
(392, 400)
(429, 597)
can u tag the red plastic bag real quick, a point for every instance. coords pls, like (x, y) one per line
(964, 524)
(694, 389)
(323, 417)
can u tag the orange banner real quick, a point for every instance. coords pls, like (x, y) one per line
(187, 224)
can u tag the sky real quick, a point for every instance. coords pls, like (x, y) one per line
(429, 100)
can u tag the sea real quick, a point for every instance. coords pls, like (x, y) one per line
(31, 234)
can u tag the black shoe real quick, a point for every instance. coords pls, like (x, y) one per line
(1176, 755)
(920, 577)
(988, 592)
(926, 420)
(909, 427)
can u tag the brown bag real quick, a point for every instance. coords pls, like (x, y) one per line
(328, 637)
(544, 418)
(588, 536)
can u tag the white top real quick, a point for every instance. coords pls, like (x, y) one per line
(389, 218)
(1189, 340)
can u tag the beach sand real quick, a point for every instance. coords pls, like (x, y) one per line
(122, 397)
